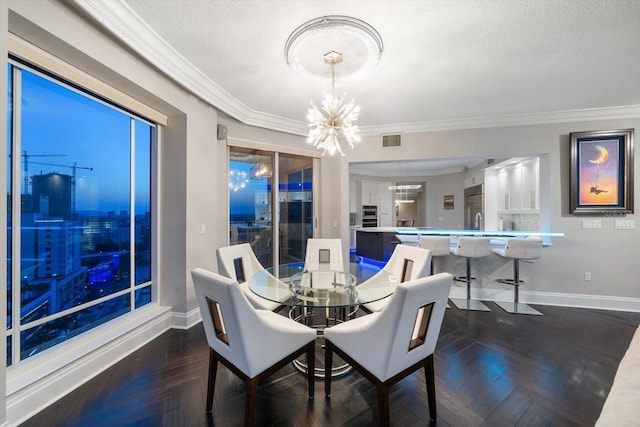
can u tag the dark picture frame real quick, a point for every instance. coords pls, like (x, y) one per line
(602, 172)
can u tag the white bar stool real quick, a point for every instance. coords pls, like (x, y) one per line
(438, 245)
(470, 247)
(517, 249)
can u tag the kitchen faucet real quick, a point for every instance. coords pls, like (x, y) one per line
(478, 220)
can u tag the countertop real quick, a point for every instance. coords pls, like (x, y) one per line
(456, 232)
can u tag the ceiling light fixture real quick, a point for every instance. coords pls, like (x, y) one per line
(327, 129)
(333, 37)
(405, 187)
(404, 197)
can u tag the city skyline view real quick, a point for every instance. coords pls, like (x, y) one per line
(84, 230)
(93, 142)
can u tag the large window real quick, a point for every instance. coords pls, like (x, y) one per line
(79, 206)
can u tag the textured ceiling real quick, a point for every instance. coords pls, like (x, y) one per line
(448, 63)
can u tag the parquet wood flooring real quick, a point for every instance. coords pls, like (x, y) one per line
(492, 369)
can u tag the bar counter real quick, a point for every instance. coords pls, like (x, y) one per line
(378, 242)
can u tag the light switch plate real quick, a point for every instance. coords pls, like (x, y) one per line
(625, 224)
(591, 223)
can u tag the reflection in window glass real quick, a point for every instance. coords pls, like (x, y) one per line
(9, 349)
(143, 296)
(42, 337)
(76, 213)
(9, 138)
(75, 200)
(142, 203)
(250, 184)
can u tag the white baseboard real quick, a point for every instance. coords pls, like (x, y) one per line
(185, 320)
(597, 302)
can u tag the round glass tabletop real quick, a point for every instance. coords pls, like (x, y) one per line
(292, 285)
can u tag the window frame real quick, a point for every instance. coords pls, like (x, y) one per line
(14, 330)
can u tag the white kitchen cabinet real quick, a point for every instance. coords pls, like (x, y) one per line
(530, 184)
(515, 187)
(352, 197)
(503, 190)
(385, 205)
(369, 193)
(518, 187)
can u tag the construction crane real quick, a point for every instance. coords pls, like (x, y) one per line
(25, 167)
(74, 167)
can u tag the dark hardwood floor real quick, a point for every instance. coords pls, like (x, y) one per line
(492, 369)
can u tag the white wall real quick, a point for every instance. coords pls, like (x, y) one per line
(437, 187)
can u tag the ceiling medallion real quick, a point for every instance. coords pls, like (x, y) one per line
(353, 38)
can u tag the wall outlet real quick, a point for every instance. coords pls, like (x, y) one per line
(587, 276)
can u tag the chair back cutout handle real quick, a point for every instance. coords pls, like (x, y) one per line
(324, 256)
(216, 318)
(238, 266)
(407, 267)
(424, 317)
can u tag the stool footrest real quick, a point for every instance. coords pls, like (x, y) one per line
(509, 281)
(463, 279)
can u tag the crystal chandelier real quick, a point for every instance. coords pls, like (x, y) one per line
(237, 179)
(335, 120)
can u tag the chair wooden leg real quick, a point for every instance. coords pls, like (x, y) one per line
(311, 368)
(250, 402)
(382, 392)
(328, 360)
(429, 375)
(211, 385)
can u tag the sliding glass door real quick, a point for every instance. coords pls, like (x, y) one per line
(270, 203)
(296, 206)
(250, 201)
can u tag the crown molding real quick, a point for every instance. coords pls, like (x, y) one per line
(118, 18)
(528, 119)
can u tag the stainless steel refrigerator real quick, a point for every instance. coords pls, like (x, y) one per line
(474, 207)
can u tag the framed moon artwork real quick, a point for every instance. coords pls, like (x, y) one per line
(602, 172)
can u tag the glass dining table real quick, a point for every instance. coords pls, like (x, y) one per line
(293, 286)
(322, 297)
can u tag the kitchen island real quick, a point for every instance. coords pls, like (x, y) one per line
(377, 243)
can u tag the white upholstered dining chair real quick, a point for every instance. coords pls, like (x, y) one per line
(388, 345)
(405, 264)
(239, 263)
(324, 254)
(251, 343)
